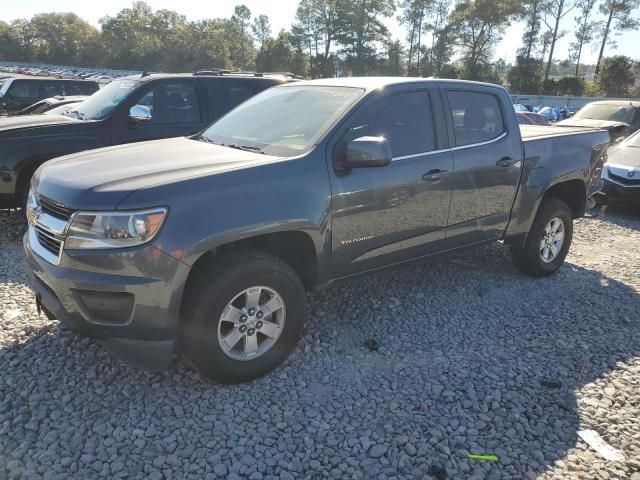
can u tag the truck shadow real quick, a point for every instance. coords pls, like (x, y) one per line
(472, 358)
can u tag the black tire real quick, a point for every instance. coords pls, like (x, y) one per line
(212, 288)
(527, 257)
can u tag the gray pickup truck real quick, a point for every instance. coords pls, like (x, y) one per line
(210, 242)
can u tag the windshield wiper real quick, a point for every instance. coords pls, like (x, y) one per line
(248, 148)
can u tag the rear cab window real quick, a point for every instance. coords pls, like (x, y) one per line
(476, 116)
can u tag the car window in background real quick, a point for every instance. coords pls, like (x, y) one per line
(599, 111)
(24, 89)
(173, 102)
(71, 89)
(404, 119)
(105, 100)
(51, 89)
(225, 94)
(283, 121)
(476, 116)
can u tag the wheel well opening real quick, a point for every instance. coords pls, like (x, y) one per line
(573, 193)
(294, 248)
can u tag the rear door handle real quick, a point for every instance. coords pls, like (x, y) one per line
(507, 162)
(433, 175)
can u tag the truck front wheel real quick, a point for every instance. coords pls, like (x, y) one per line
(548, 240)
(244, 315)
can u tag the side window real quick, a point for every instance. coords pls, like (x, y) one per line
(226, 94)
(476, 116)
(24, 89)
(404, 119)
(172, 102)
(50, 89)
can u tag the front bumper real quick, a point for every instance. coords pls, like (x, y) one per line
(619, 194)
(129, 300)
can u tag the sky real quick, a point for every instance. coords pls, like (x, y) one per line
(281, 14)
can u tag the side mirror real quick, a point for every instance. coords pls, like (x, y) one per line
(619, 139)
(367, 152)
(140, 113)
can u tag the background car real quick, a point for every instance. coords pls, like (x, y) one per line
(51, 103)
(620, 117)
(19, 93)
(530, 118)
(621, 173)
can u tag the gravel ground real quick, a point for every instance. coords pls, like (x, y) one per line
(472, 358)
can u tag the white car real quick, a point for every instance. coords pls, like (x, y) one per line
(621, 173)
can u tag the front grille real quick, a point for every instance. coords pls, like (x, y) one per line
(624, 180)
(55, 209)
(48, 241)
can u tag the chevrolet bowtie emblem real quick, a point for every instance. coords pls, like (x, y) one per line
(34, 214)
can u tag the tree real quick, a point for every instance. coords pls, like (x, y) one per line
(392, 62)
(524, 77)
(618, 14)
(360, 29)
(279, 55)
(478, 27)
(414, 18)
(616, 78)
(555, 12)
(531, 12)
(573, 85)
(240, 20)
(585, 31)
(9, 47)
(261, 28)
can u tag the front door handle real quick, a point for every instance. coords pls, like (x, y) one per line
(506, 162)
(433, 175)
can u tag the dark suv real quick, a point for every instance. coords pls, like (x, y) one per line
(19, 93)
(127, 110)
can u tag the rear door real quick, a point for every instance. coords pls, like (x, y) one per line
(487, 161)
(175, 109)
(391, 214)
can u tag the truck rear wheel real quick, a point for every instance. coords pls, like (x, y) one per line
(548, 240)
(244, 315)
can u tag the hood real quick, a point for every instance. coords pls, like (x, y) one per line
(625, 156)
(101, 179)
(31, 121)
(590, 122)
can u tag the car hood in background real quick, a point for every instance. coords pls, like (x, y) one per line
(625, 156)
(31, 121)
(101, 179)
(590, 122)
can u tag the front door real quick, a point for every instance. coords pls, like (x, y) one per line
(390, 214)
(175, 112)
(487, 165)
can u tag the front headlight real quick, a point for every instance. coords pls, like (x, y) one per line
(113, 229)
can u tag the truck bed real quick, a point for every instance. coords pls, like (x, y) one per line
(535, 132)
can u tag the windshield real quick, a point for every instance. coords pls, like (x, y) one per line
(633, 140)
(282, 121)
(62, 109)
(603, 111)
(105, 100)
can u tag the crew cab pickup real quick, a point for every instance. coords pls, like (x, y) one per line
(127, 110)
(213, 239)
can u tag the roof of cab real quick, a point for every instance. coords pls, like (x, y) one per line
(372, 83)
(146, 77)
